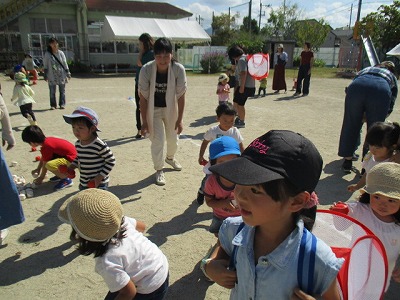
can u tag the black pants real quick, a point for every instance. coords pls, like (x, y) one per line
(137, 100)
(26, 110)
(261, 89)
(303, 74)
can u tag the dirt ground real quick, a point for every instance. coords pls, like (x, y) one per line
(38, 261)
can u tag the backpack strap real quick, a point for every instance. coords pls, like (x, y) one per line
(232, 265)
(305, 276)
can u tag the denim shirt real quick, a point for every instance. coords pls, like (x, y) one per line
(275, 275)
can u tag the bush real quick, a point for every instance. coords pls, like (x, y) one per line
(296, 61)
(213, 61)
(78, 67)
(319, 63)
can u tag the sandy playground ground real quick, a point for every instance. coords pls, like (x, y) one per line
(38, 261)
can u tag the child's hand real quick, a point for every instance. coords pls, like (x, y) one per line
(396, 274)
(35, 173)
(217, 270)
(38, 181)
(352, 188)
(300, 295)
(202, 161)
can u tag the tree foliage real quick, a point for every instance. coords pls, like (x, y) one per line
(246, 26)
(282, 22)
(223, 28)
(312, 31)
(382, 26)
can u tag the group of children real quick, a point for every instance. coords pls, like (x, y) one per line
(261, 197)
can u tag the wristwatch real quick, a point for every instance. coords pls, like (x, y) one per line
(203, 266)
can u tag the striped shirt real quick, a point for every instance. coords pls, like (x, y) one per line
(93, 159)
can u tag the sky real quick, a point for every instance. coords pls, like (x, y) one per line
(336, 13)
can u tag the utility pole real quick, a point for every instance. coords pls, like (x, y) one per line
(250, 3)
(351, 13)
(359, 10)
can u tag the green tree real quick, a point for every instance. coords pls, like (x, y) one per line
(246, 26)
(282, 21)
(312, 31)
(223, 28)
(382, 26)
(249, 42)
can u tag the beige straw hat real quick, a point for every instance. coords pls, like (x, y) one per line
(384, 179)
(95, 214)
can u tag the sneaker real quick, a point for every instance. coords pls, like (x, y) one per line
(64, 183)
(3, 235)
(296, 94)
(355, 157)
(304, 95)
(160, 178)
(240, 124)
(174, 163)
(55, 179)
(347, 165)
(200, 198)
(52, 108)
(237, 121)
(62, 107)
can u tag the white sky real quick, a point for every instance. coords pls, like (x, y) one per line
(336, 13)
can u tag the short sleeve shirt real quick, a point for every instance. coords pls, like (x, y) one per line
(216, 132)
(53, 148)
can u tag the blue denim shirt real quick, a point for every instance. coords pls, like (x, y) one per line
(275, 275)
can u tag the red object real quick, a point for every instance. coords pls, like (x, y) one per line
(63, 169)
(91, 184)
(341, 207)
(33, 149)
(38, 158)
(71, 174)
(204, 162)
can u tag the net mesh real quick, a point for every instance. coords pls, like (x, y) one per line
(364, 272)
(258, 65)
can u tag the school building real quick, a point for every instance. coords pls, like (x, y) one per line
(26, 25)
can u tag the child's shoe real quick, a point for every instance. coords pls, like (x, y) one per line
(3, 235)
(55, 179)
(64, 183)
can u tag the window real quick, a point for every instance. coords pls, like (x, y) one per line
(94, 47)
(133, 48)
(108, 47)
(68, 26)
(122, 47)
(53, 25)
(38, 25)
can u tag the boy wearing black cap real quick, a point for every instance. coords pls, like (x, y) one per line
(274, 178)
(95, 159)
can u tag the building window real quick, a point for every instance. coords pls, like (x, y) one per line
(68, 26)
(122, 47)
(133, 48)
(53, 25)
(38, 25)
(108, 47)
(94, 47)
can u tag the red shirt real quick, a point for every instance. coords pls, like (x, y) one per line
(53, 147)
(306, 57)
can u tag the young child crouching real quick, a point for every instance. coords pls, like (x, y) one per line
(130, 264)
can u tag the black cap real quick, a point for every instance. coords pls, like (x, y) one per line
(275, 155)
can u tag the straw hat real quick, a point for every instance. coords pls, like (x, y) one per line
(95, 214)
(223, 77)
(384, 179)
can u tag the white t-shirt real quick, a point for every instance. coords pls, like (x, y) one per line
(369, 162)
(136, 258)
(388, 233)
(216, 132)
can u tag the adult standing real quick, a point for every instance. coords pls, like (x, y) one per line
(373, 92)
(11, 212)
(146, 54)
(306, 64)
(162, 88)
(280, 60)
(245, 84)
(56, 72)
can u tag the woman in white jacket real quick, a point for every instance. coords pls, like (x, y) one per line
(162, 88)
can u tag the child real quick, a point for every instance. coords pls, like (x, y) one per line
(55, 152)
(263, 86)
(223, 88)
(226, 118)
(23, 97)
(130, 264)
(95, 159)
(274, 178)
(218, 191)
(379, 209)
(382, 139)
(30, 66)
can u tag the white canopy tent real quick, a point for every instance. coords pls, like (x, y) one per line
(395, 51)
(128, 29)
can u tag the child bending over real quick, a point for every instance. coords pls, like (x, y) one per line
(95, 159)
(130, 264)
(55, 152)
(274, 178)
